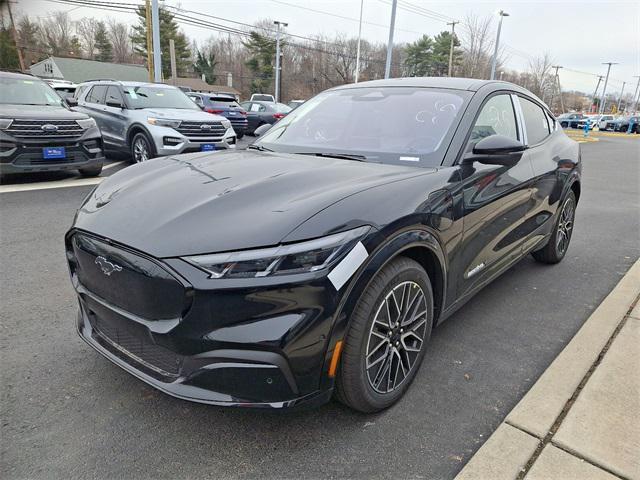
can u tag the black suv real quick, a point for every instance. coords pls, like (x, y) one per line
(38, 131)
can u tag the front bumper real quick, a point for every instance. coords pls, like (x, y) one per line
(168, 141)
(23, 155)
(263, 346)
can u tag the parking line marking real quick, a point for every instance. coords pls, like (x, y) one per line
(74, 182)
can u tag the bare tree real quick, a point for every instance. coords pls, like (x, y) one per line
(55, 33)
(478, 40)
(87, 28)
(542, 82)
(119, 37)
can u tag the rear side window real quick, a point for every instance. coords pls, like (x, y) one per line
(96, 94)
(535, 121)
(113, 95)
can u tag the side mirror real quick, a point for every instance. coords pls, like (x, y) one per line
(262, 129)
(496, 150)
(71, 102)
(114, 104)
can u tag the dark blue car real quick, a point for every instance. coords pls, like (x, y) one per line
(225, 105)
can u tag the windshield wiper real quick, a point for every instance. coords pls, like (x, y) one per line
(344, 156)
(260, 148)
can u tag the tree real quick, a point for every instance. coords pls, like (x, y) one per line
(441, 50)
(28, 36)
(168, 30)
(75, 47)
(477, 53)
(262, 52)
(55, 33)
(419, 61)
(119, 39)
(87, 29)
(103, 44)
(205, 64)
(8, 53)
(541, 80)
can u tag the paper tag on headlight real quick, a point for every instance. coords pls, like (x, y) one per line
(348, 266)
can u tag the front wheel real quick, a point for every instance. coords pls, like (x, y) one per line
(141, 148)
(555, 250)
(387, 337)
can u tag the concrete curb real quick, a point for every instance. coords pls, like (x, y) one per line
(539, 409)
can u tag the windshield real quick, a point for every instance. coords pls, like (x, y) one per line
(262, 98)
(18, 91)
(158, 97)
(399, 125)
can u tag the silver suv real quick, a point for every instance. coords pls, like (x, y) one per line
(150, 119)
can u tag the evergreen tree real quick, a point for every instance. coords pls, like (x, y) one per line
(419, 60)
(262, 52)
(441, 49)
(28, 35)
(8, 54)
(75, 47)
(168, 30)
(103, 45)
(205, 64)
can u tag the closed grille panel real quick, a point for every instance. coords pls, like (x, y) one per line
(33, 128)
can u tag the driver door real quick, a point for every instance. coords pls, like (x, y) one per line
(496, 200)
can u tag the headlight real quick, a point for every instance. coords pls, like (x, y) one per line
(5, 123)
(86, 123)
(289, 259)
(226, 123)
(163, 122)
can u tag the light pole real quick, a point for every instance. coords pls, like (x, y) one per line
(595, 92)
(387, 67)
(620, 99)
(277, 86)
(502, 14)
(453, 31)
(635, 105)
(604, 89)
(155, 22)
(359, 38)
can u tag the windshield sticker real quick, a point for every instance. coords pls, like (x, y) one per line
(132, 92)
(410, 159)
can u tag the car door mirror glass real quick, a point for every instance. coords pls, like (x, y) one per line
(496, 150)
(114, 104)
(262, 129)
(71, 102)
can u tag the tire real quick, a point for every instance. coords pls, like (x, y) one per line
(91, 171)
(368, 390)
(558, 244)
(139, 145)
(239, 135)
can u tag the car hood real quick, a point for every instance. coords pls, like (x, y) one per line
(182, 114)
(215, 202)
(40, 112)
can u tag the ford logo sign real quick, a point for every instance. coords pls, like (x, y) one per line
(49, 128)
(205, 126)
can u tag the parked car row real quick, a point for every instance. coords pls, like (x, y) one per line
(603, 122)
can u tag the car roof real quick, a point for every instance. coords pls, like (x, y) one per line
(107, 81)
(454, 83)
(23, 76)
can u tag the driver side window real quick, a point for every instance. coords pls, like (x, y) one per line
(497, 117)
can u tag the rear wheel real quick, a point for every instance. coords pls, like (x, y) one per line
(555, 250)
(385, 343)
(141, 148)
(564, 124)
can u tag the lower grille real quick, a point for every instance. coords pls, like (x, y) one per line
(152, 356)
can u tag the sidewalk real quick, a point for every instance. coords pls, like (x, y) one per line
(581, 419)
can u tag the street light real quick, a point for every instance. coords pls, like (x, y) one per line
(604, 90)
(502, 14)
(277, 86)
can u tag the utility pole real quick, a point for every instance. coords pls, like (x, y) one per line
(359, 38)
(149, 41)
(604, 89)
(155, 22)
(15, 38)
(502, 14)
(635, 105)
(595, 92)
(558, 67)
(620, 99)
(172, 55)
(453, 31)
(277, 85)
(387, 67)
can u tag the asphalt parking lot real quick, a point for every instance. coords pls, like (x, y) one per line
(69, 413)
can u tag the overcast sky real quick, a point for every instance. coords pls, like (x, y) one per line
(580, 35)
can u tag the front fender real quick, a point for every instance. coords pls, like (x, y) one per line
(384, 250)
